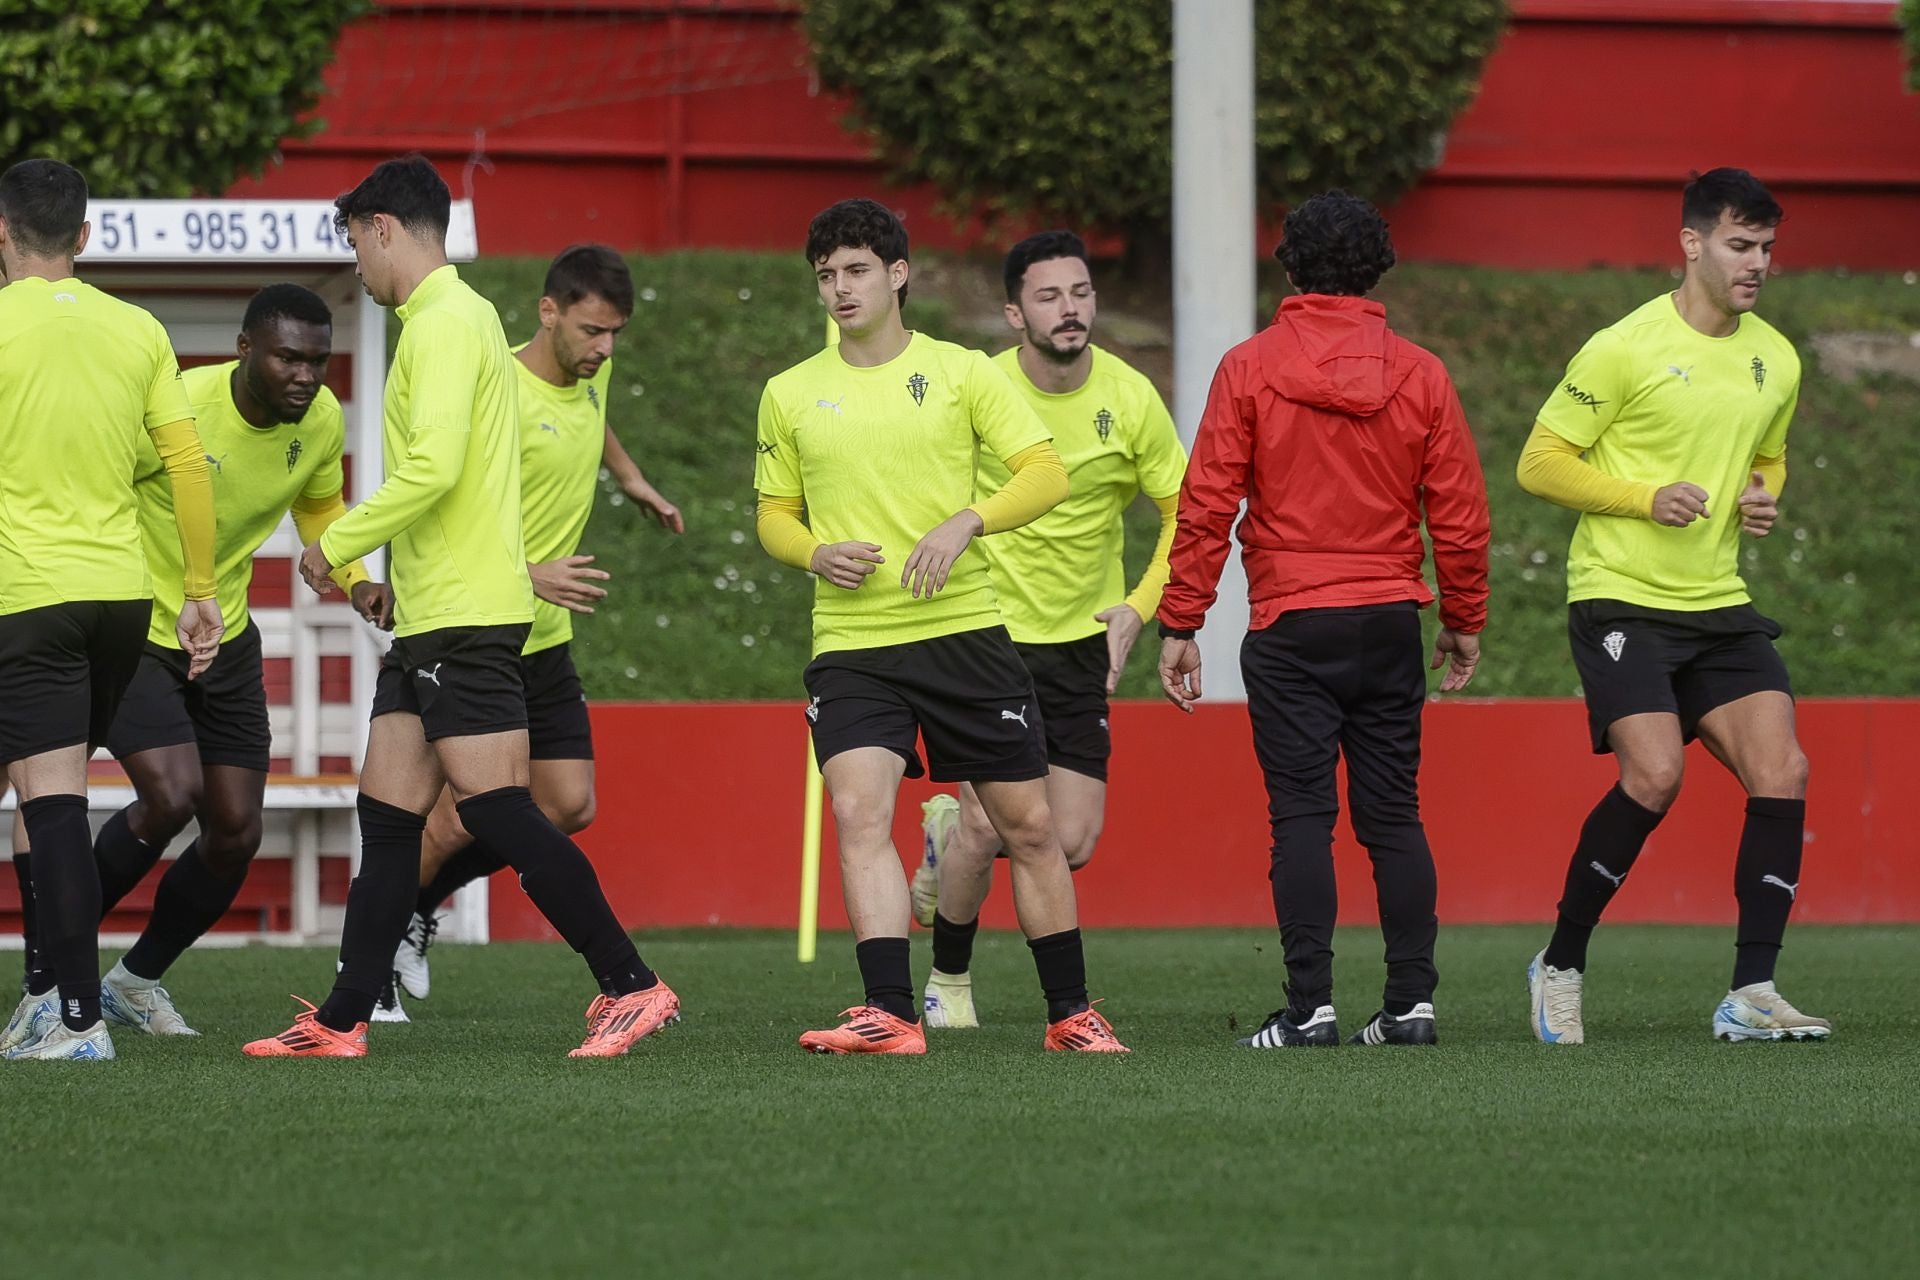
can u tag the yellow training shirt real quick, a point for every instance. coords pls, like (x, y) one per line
(84, 377)
(882, 455)
(258, 473)
(563, 431)
(450, 505)
(1654, 401)
(1117, 440)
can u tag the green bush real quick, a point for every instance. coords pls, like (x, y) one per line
(1910, 23)
(1066, 111)
(162, 99)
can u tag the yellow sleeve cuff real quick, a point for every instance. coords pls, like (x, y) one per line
(178, 444)
(1551, 467)
(783, 533)
(1145, 597)
(1037, 485)
(311, 516)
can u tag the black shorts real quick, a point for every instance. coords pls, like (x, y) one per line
(63, 670)
(1634, 660)
(967, 694)
(1070, 682)
(461, 681)
(557, 724)
(223, 713)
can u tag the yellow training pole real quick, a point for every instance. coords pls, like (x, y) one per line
(810, 820)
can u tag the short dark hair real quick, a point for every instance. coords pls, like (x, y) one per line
(858, 224)
(45, 205)
(1044, 247)
(590, 271)
(286, 302)
(1733, 191)
(1335, 243)
(408, 188)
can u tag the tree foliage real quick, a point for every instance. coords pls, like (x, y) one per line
(162, 97)
(1910, 24)
(1066, 110)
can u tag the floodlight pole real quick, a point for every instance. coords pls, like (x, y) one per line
(1213, 255)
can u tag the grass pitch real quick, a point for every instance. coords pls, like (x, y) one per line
(468, 1145)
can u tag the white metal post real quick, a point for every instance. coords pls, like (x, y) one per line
(1213, 255)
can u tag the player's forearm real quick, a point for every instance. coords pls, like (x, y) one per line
(180, 450)
(620, 464)
(1552, 468)
(312, 517)
(1773, 473)
(783, 533)
(1145, 596)
(1037, 484)
(430, 469)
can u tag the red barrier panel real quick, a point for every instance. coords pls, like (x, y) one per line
(699, 820)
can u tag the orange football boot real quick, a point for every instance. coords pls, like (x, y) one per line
(1083, 1032)
(615, 1023)
(309, 1038)
(867, 1030)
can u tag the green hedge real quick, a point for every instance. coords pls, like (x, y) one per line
(1066, 110)
(162, 99)
(1910, 23)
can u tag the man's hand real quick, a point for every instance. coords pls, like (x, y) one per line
(1180, 672)
(1462, 650)
(1679, 505)
(926, 569)
(316, 571)
(568, 582)
(199, 628)
(1123, 628)
(846, 564)
(374, 602)
(648, 499)
(1758, 508)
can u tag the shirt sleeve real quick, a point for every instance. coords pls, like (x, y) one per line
(1159, 459)
(1773, 444)
(1592, 393)
(1454, 493)
(166, 394)
(776, 463)
(1210, 497)
(329, 477)
(1004, 422)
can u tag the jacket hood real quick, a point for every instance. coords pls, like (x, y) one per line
(1332, 352)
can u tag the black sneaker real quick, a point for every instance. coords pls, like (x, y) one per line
(1416, 1027)
(1280, 1031)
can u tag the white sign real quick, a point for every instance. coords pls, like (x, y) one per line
(236, 231)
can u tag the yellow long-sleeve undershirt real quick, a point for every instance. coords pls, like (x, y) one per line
(1551, 467)
(1144, 599)
(311, 516)
(178, 444)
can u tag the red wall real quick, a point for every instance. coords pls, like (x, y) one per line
(657, 124)
(700, 806)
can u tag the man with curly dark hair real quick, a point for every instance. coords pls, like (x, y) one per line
(1339, 435)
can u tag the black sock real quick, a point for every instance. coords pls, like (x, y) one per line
(953, 943)
(1610, 841)
(66, 890)
(123, 858)
(561, 882)
(475, 862)
(38, 978)
(379, 903)
(189, 901)
(1063, 972)
(1766, 879)
(887, 975)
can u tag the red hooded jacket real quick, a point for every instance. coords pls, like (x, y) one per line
(1336, 432)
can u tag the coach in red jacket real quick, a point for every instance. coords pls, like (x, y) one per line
(1337, 434)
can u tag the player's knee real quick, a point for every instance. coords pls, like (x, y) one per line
(228, 849)
(1030, 836)
(860, 822)
(445, 831)
(169, 804)
(574, 813)
(1078, 843)
(1784, 776)
(975, 833)
(1653, 783)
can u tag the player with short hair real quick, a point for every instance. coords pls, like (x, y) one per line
(1061, 587)
(82, 376)
(565, 372)
(449, 708)
(874, 440)
(1669, 435)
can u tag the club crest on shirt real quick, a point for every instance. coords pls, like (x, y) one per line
(293, 454)
(1103, 424)
(1759, 367)
(917, 388)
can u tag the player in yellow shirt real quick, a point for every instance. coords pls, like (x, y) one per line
(198, 749)
(1061, 587)
(449, 708)
(874, 440)
(83, 378)
(565, 371)
(1669, 435)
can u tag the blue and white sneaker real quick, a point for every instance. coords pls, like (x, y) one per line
(1758, 1012)
(1555, 997)
(34, 1015)
(58, 1043)
(127, 1001)
(938, 818)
